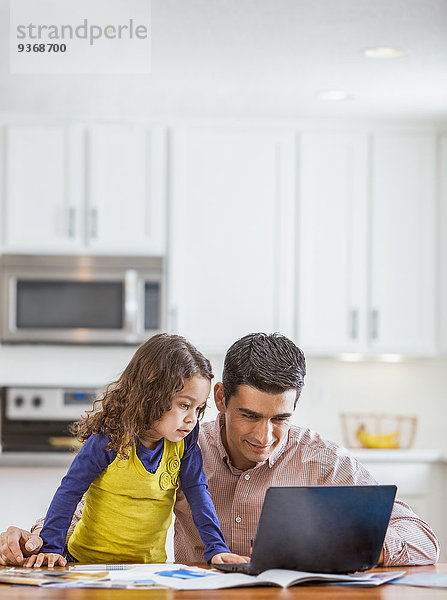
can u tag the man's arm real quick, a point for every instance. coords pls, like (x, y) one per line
(17, 544)
(409, 540)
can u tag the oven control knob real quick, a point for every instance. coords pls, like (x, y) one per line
(18, 400)
(37, 401)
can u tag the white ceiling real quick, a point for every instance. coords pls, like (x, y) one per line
(261, 58)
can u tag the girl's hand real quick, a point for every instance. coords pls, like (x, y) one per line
(49, 559)
(228, 557)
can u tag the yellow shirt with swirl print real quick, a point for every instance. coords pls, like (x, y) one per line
(128, 511)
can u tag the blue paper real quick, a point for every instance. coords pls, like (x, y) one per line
(423, 580)
(182, 574)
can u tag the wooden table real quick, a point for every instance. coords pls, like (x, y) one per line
(311, 592)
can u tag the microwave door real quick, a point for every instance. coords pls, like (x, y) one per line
(67, 310)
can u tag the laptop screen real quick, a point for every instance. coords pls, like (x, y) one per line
(337, 529)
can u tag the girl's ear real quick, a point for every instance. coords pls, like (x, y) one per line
(219, 397)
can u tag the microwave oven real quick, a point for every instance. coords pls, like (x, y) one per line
(81, 299)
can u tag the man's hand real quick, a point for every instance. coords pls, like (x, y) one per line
(16, 544)
(46, 559)
(228, 557)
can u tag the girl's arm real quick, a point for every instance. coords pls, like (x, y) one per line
(91, 460)
(194, 486)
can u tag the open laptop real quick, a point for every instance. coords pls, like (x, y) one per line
(337, 529)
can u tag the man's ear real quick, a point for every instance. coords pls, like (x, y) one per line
(219, 397)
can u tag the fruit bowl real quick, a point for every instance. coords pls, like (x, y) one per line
(378, 430)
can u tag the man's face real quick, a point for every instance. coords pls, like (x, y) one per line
(255, 423)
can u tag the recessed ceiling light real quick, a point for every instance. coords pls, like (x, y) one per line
(383, 52)
(335, 95)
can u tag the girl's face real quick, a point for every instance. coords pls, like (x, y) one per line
(182, 417)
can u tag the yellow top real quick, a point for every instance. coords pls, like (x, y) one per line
(128, 511)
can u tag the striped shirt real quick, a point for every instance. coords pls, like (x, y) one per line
(304, 459)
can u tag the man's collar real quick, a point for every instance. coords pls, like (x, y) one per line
(217, 434)
(273, 458)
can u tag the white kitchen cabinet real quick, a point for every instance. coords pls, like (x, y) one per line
(2, 188)
(403, 244)
(26, 494)
(231, 238)
(332, 245)
(96, 188)
(44, 182)
(125, 189)
(442, 274)
(367, 243)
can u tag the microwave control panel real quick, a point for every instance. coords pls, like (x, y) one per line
(48, 404)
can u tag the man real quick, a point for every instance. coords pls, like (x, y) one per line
(251, 446)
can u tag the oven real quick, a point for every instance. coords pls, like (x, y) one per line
(37, 419)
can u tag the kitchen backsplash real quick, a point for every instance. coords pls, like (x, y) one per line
(412, 387)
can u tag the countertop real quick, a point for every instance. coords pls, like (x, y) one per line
(412, 455)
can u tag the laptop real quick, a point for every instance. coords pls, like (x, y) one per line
(321, 529)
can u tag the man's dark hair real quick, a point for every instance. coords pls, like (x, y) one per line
(270, 363)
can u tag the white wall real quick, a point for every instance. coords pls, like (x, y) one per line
(62, 365)
(415, 386)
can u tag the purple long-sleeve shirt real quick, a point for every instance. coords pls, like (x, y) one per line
(94, 457)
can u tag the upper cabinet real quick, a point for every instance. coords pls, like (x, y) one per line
(329, 237)
(332, 242)
(367, 243)
(403, 244)
(43, 190)
(442, 231)
(125, 189)
(231, 247)
(72, 189)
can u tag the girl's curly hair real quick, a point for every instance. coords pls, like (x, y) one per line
(144, 392)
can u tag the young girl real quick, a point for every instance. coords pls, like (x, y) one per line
(138, 446)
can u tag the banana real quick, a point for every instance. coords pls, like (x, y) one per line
(369, 440)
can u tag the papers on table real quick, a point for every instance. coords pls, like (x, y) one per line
(424, 580)
(111, 567)
(180, 577)
(42, 577)
(212, 580)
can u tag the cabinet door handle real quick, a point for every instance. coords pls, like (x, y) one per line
(353, 324)
(71, 222)
(374, 324)
(93, 222)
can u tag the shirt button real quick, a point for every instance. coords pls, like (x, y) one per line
(238, 519)
(247, 477)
